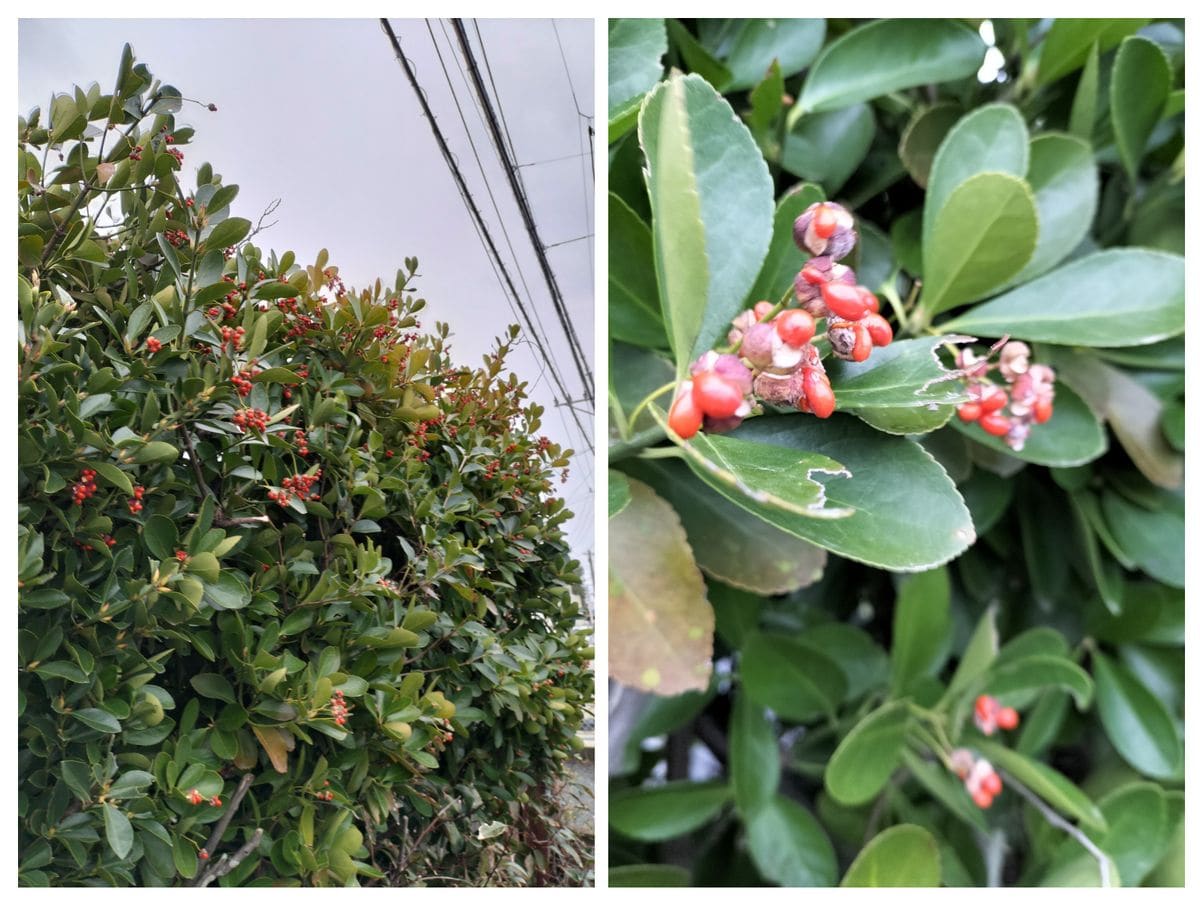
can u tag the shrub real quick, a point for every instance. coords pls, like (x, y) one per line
(909, 639)
(295, 606)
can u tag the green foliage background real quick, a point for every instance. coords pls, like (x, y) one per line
(821, 602)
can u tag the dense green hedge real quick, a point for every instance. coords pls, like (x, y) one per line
(277, 550)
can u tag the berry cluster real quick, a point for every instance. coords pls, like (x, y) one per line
(301, 438)
(177, 237)
(989, 715)
(242, 382)
(135, 504)
(153, 345)
(175, 152)
(773, 358)
(84, 488)
(136, 153)
(1029, 396)
(232, 337)
(980, 779)
(195, 798)
(337, 706)
(251, 418)
(299, 487)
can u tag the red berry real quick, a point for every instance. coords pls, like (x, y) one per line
(844, 300)
(1007, 718)
(818, 393)
(985, 707)
(795, 327)
(995, 424)
(969, 411)
(862, 343)
(715, 396)
(871, 300)
(203, 854)
(1043, 410)
(824, 222)
(991, 784)
(762, 308)
(993, 400)
(880, 329)
(982, 799)
(813, 275)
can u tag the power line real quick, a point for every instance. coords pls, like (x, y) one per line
(474, 210)
(564, 318)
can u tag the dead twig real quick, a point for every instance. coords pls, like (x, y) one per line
(223, 824)
(228, 864)
(1059, 823)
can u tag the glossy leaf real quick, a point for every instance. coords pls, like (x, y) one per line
(907, 373)
(889, 55)
(978, 655)
(661, 624)
(1049, 784)
(753, 756)
(1066, 189)
(790, 677)
(618, 492)
(826, 148)
(1119, 297)
(902, 856)
(1141, 81)
(983, 235)
(1137, 723)
(992, 138)
(923, 135)
(118, 830)
(892, 481)
(665, 811)
(789, 846)
(1083, 108)
(731, 544)
(634, 314)
(756, 43)
(635, 52)
(868, 755)
(1134, 841)
(1152, 539)
(921, 623)
(648, 875)
(1067, 43)
(1039, 672)
(712, 209)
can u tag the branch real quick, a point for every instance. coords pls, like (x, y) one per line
(259, 227)
(223, 824)
(1058, 822)
(228, 864)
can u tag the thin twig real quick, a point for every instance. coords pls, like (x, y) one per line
(228, 864)
(192, 458)
(1058, 822)
(223, 823)
(259, 227)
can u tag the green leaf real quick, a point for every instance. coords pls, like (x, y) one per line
(1141, 81)
(618, 492)
(1066, 189)
(696, 57)
(789, 846)
(790, 677)
(648, 875)
(868, 755)
(766, 104)
(660, 621)
(1134, 842)
(983, 236)
(754, 759)
(981, 650)
(99, 720)
(711, 197)
(634, 313)
(828, 147)
(992, 138)
(908, 515)
(229, 592)
(904, 374)
(729, 543)
(1050, 785)
(1073, 435)
(1152, 539)
(890, 55)
(667, 811)
(864, 663)
(635, 52)
(1039, 672)
(757, 43)
(946, 789)
(902, 856)
(1118, 297)
(156, 452)
(1068, 42)
(1083, 107)
(161, 536)
(784, 259)
(1136, 721)
(118, 831)
(213, 685)
(919, 629)
(115, 477)
(923, 135)
(227, 233)
(205, 565)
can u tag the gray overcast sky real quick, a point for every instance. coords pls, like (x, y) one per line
(319, 114)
